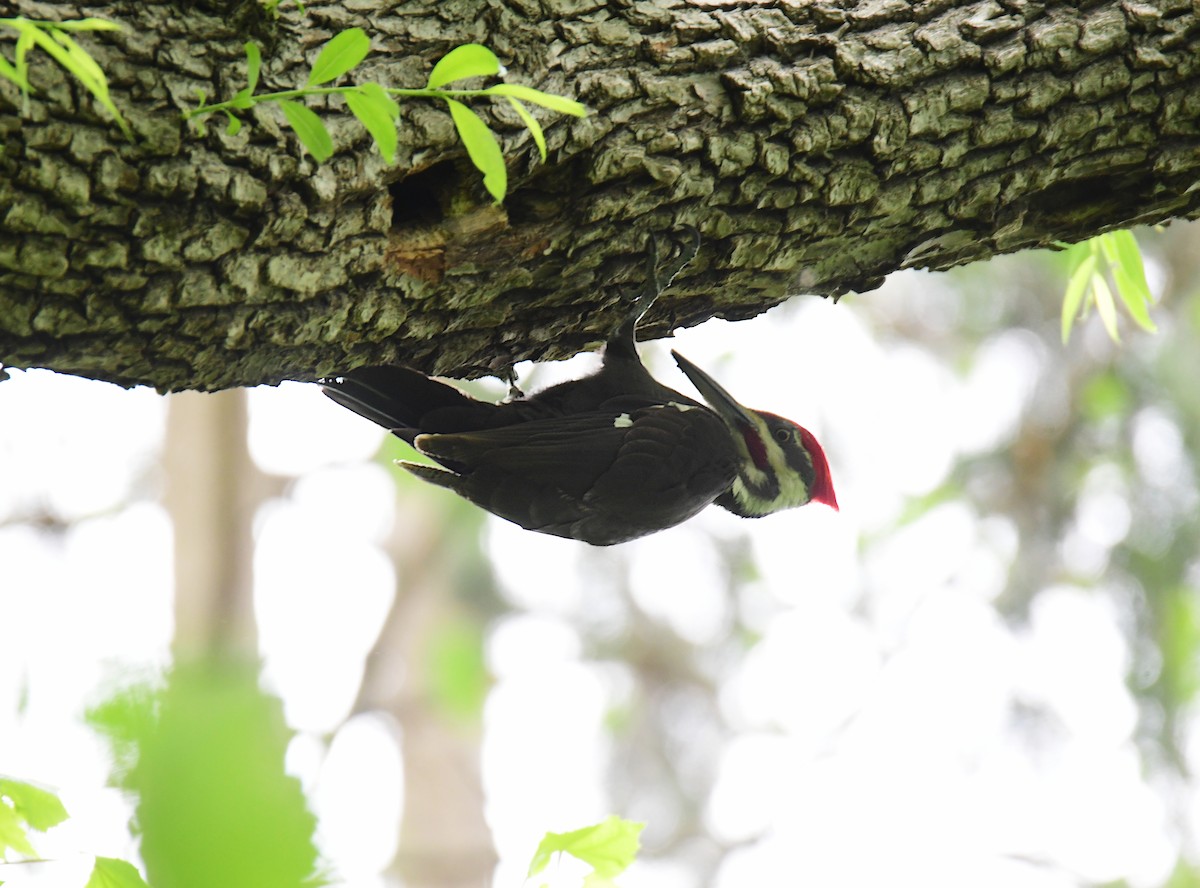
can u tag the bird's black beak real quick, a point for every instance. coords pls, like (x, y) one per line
(720, 400)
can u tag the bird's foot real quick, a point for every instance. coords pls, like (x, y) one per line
(666, 256)
(510, 376)
(683, 243)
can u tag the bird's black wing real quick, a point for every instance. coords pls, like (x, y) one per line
(602, 477)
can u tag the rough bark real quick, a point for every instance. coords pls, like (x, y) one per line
(817, 145)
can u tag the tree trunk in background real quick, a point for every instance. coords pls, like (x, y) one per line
(816, 145)
(213, 490)
(444, 840)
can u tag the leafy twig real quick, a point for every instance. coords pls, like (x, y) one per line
(54, 39)
(1113, 255)
(608, 847)
(376, 109)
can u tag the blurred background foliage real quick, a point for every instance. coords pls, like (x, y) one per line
(982, 671)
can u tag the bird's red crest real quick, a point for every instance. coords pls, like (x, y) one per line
(822, 486)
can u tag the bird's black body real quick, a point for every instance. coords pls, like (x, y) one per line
(603, 459)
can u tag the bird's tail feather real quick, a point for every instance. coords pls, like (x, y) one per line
(394, 397)
(434, 475)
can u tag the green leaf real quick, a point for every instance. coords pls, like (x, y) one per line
(109, 872)
(561, 104)
(64, 50)
(1128, 253)
(13, 834)
(1125, 259)
(468, 60)
(1136, 298)
(377, 117)
(204, 757)
(234, 126)
(608, 847)
(90, 24)
(33, 35)
(482, 148)
(241, 98)
(1106, 306)
(380, 95)
(309, 128)
(38, 807)
(340, 54)
(24, 43)
(8, 72)
(1076, 288)
(253, 65)
(535, 128)
(82, 65)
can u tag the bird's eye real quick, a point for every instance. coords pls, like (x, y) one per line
(782, 435)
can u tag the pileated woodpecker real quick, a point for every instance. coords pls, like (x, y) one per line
(603, 459)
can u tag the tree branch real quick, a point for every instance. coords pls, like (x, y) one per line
(817, 146)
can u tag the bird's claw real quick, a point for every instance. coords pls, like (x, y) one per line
(660, 273)
(682, 253)
(510, 376)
